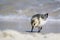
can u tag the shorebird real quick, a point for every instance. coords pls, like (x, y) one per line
(38, 20)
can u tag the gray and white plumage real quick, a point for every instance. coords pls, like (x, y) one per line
(38, 21)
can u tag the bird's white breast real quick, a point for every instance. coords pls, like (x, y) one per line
(42, 22)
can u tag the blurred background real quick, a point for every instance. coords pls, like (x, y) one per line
(16, 14)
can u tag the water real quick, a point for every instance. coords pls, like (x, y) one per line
(16, 15)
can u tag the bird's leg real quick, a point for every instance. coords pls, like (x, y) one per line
(32, 29)
(39, 29)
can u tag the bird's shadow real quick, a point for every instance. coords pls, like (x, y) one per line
(32, 32)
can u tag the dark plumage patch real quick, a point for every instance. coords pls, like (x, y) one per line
(32, 21)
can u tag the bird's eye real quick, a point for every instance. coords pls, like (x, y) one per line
(46, 15)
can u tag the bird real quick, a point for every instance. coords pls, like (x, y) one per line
(38, 20)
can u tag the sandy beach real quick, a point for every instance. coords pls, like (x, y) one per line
(15, 18)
